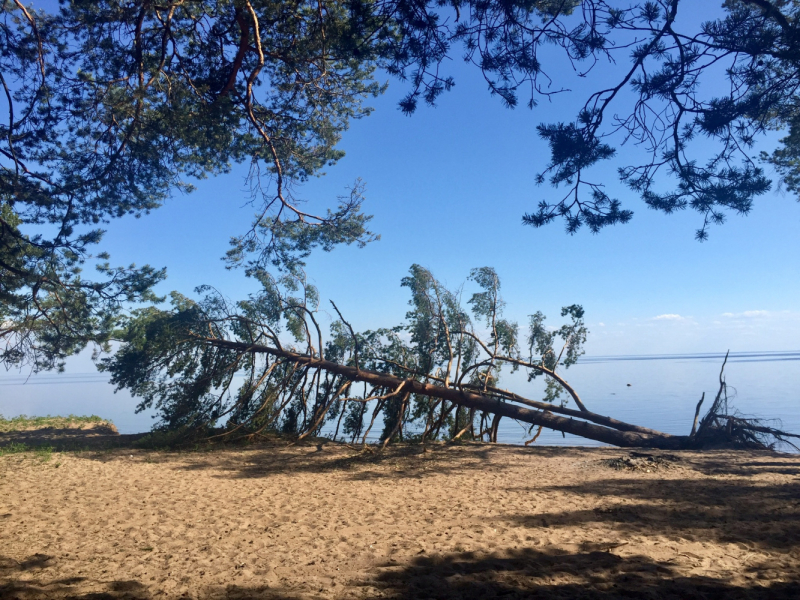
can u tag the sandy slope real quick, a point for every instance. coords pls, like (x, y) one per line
(455, 522)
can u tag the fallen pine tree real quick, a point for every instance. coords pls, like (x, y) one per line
(434, 377)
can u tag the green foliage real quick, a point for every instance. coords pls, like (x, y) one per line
(659, 94)
(668, 74)
(13, 448)
(488, 306)
(206, 361)
(111, 107)
(541, 343)
(353, 425)
(114, 106)
(43, 453)
(434, 316)
(184, 393)
(786, 159)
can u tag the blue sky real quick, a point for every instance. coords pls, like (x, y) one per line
(447, 188)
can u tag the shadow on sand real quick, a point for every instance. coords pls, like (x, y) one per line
(512, 575)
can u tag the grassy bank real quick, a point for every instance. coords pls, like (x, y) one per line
(26, 423)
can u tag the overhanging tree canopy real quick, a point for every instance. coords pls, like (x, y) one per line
(110, 106)
(113, 106)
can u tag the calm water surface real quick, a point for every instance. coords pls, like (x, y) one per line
(665, 389)
(663, 392)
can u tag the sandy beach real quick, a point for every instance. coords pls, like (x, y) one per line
(473, 521)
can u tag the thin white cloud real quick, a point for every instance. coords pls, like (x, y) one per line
(669, 317)
(748, 314)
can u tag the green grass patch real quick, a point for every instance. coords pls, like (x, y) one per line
(26, 423)
(13, 448)
(43, 453)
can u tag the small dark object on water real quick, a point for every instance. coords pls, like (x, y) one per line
(629, 385)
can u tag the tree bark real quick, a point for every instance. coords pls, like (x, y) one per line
(625, 435)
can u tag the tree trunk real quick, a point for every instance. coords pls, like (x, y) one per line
(495, 427)
(616, 433)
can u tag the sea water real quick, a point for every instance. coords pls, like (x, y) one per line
(656, 391)
(662, 391)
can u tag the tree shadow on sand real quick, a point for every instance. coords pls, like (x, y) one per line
(25, 580)
(530, 573)
(396, 462)
(516, 574)
(762, 515)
